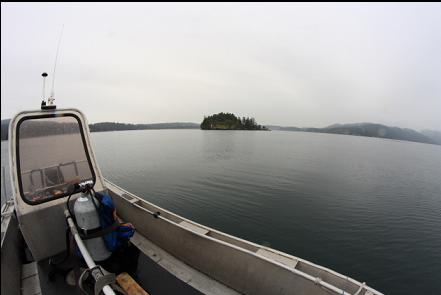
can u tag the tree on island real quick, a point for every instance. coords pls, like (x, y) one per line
(228, 121)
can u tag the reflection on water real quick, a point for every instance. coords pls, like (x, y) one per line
(365, 207)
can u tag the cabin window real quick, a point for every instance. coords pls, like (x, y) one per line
(51, 156)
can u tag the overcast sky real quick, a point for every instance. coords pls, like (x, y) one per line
(287, 64)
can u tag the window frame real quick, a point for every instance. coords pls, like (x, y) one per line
(17, 151)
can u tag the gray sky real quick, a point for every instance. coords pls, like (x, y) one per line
(288, 64)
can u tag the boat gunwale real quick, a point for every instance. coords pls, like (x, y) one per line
(316, 280)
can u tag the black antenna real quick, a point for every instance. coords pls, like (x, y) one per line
(44, 106)
(44, 75)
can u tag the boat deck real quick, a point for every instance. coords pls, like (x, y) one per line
(150, 276)
(171, 254)
(158, 273)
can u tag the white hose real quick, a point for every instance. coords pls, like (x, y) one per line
(87, 258)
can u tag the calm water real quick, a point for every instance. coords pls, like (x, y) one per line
(365, 207)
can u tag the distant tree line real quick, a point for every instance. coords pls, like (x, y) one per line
(113, 126)
(97, 127)
(34, 128)
(228, 121)
(225, 121)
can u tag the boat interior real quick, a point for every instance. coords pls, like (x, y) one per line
(50, 150)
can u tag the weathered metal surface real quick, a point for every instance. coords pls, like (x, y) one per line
(11, 246)
(30, 282)
(277, 257)
(227, 259)
(50, 214)
(193, 227)
(180, 270)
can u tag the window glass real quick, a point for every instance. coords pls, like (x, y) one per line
(51, 155)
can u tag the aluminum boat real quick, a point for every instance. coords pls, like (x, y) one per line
(50, 149)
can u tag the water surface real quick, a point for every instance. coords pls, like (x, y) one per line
(366, 207)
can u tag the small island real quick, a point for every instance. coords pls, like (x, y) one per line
(228, 121)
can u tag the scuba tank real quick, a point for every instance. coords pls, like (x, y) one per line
(87, 218)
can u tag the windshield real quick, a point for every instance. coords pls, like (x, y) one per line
(51, 156)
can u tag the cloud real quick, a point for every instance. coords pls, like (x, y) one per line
(285, 63)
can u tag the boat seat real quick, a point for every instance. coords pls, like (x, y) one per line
(194, 228)
(30, 281)
(291, 262)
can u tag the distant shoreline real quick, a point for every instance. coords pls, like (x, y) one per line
(394, 139)
(360, 129)
(372, 130)
(224, 129)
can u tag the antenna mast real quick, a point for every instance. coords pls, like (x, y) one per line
(44, 75)
(51, 99)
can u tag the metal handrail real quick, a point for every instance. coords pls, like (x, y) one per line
(52, 166)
